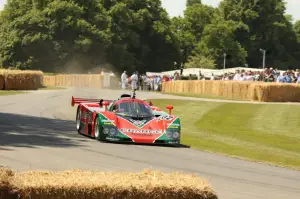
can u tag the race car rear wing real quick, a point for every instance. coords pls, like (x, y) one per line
(76, 100)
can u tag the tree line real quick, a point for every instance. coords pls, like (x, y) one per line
(140, 35)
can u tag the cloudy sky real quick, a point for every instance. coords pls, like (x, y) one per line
(176, 7)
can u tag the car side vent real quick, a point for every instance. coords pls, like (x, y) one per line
(157, 115)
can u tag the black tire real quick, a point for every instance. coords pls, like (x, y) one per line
(78, 123)
(96, 129)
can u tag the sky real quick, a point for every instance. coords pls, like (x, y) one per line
(176, 7)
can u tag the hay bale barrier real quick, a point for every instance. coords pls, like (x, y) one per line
(77, 184)
(5, 187)
(75, 80)
(237, 90)
(1, 81)
(21, 79)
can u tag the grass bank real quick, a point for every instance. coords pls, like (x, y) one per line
(17, 92)
(265, 133)
(196, 95)
(51, 88)
(11, 92)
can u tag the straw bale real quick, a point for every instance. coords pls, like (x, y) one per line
(5, 186)
(237, 90)
(278, 92)
(5, 176)
(1, 82)
(77, 184)
(75, 80)
(22, 79)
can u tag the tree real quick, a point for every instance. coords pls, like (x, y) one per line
(192, 2)
(218, 38)
(44, 34)
(197, 17)
(200, 61)
(142, 36)
(185, 37)
(297, 29)
(265, 22)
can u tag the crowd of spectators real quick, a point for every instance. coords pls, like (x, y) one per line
(269, 75)
(153, 83)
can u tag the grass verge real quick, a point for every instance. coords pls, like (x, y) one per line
(204, 96)
(51, 88)
(11, 92)
(264, 133)
(17, 92)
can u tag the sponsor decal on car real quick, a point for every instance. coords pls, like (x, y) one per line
(165, 117)
(141, 131)
(108, 120)
(112, 139)
(84, 115)
(90, 117)
(108, 123)
(138, 122)
(174, 126)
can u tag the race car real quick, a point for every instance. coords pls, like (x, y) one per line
(128, 120)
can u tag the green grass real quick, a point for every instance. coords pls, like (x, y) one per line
(196, 95)
(17, 92)
(51, 88)
(264, 133)
(11, 92)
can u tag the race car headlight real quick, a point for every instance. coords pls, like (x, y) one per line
(113, 131)
(106, 131)
(172, 134)
(169, 134)
(175, 135)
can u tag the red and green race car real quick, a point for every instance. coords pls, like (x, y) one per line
(126, 119)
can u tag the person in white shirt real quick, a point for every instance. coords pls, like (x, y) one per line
(237, 76)
(124, 80)
(134, 79)
(298, 80)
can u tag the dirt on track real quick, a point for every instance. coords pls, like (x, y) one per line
(37, 131)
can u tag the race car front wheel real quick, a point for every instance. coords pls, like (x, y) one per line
(78, 117)
(96, 129)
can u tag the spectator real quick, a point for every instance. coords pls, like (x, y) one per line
(124, 80)
(134, 81)
(281, 78)
(288, 78)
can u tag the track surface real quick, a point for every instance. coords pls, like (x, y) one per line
(37, 131)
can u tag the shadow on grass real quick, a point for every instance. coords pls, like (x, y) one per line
(28, 131)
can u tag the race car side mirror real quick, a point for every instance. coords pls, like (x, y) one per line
(150, 103)
(106, 103)
(169, 107)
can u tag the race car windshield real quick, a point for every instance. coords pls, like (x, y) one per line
(134, 109)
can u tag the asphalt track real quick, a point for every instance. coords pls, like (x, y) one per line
(37, 131)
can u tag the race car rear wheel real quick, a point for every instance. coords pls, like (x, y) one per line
(78, 123)
(96, 129)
